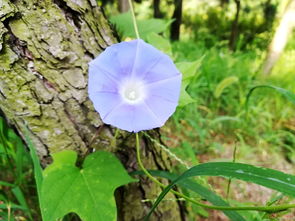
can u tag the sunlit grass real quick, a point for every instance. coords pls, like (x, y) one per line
(211, 123)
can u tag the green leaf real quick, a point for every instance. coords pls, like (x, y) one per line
(6, 184)
(124, 25)
(224, 84)
(22, 201)
(11, 206)
(273, 179)
(6, 147)
(88, 192)
(36, 163)
(184, 98)
(160, 43)
(199, 189)
(188, 70)
(224, 118)
(12, 149)
(287, 94)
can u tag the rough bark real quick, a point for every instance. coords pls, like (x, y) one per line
(279, 41)
(45, 47)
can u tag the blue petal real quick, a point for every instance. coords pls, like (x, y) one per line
(163, 69)
(117, 59)
(161, 107)
(168, 89)
(146, 58)
(106, 62)
(105, 102)
(133, 118)
(125, 55)
(101, 81)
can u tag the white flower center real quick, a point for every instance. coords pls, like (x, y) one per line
(131, 94)
(132, 91)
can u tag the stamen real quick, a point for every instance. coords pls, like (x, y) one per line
(132, 91)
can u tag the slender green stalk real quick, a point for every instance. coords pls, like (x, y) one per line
(134, 19)
(229, 181)
(141, 165)
(8, 211)
(269, 209)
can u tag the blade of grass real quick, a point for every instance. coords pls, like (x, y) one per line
(36, 163)
(22, 201)
(197, 188)
(38, 175)
(287, 94)
(6, 184)
(273, 179)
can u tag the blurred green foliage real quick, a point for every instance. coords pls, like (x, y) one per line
(212, 23)
(124, 25)
(210, 128)
(18, 199)
(225, 113)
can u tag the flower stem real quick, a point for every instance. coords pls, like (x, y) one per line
(134, 19)
(141, 165)
(269, 209)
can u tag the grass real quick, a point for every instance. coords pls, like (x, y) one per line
(225, 115)
(209, 129)
(18, 200)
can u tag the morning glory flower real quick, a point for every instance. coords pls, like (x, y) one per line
(134, 86)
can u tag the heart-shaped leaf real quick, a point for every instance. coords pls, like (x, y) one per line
(88, 192)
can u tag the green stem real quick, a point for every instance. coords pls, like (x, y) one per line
(141, 165)
(8, 211)
(134, 19)
(269, 209)
(229, 180)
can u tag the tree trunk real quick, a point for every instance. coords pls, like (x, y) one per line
(177, 16)
(279, 41)
(123, 6)
(157, 10)
(234, 31)
(45, 47)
